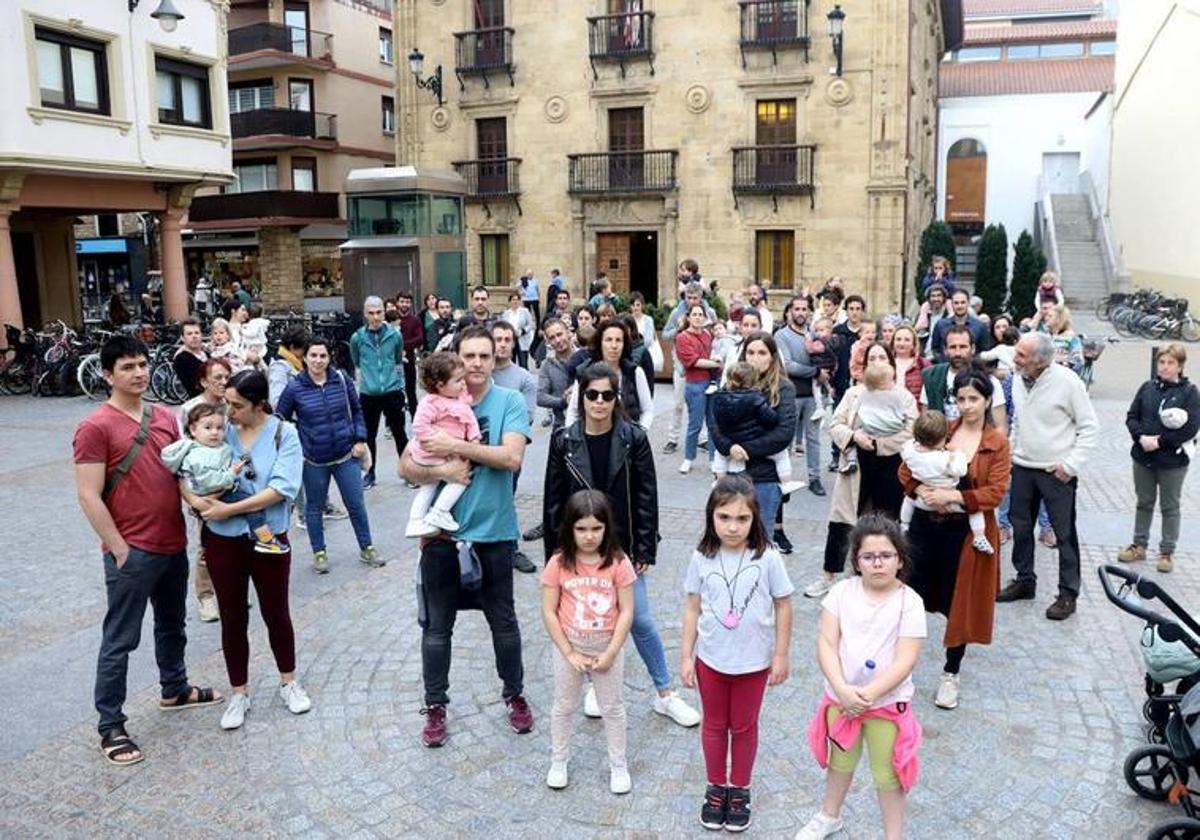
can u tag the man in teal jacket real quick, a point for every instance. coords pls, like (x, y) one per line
(378, 353)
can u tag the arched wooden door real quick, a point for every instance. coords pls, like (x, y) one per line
(966, 181)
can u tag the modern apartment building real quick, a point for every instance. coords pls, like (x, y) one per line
(627, 135)
(109, 108)
(311, 96)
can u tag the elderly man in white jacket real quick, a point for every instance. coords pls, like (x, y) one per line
(1054, 430)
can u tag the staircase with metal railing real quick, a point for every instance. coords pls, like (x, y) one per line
(1083, 268)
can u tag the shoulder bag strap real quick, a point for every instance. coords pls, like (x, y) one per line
(139, 441)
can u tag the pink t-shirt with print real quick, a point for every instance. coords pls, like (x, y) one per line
(587, 600)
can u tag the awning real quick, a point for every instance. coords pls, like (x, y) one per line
(101, 246)
(378, 243)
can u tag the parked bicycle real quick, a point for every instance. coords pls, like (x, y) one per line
(1149, 314)
(18, 361)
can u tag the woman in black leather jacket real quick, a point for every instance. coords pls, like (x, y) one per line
(604, 451)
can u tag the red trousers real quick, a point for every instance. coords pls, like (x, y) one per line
(731, 703)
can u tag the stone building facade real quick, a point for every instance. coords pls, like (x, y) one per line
(626, 136)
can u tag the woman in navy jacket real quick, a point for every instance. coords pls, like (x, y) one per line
(324, 405)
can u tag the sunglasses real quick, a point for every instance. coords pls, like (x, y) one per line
(248, 471)
(592, 395)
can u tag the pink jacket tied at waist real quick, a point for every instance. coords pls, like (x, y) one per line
(847, 728)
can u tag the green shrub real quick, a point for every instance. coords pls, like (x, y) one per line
(991, 269)
(1029, 263)
(937, 240)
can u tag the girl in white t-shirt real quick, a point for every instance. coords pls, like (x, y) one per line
(737, 623)
(872, 625)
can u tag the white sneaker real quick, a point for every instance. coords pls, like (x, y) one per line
(619, 781)
(297, 700)
(441, 520)
(208, 609)
(820, 586)
(947, 692)
(420, 528)
(685, 466)
(819, 827)
(235, 711)
(557, 776)
(672, 706)
(591, 706)
(789, 487)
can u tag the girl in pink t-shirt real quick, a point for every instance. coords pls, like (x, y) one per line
(445, 407)
(872, 625)
(587, 607)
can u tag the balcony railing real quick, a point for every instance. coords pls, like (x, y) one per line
(621, 37)
(480, 52)
(774, 25)
(292, 204)
(773, 169)
(491, 178)
(623, 172)
(284, 121)
(307, 43)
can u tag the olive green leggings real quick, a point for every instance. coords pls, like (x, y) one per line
(880, 736)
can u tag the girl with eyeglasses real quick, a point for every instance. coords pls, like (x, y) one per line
(871, 630)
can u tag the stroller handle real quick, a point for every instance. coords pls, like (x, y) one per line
(1169, 629)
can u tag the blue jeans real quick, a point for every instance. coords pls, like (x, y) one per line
(255, 518)
(645, 636)
(1043, 517)
(696, 400)
(769, 498)
(316, 491)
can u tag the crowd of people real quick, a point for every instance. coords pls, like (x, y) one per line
(949, 437)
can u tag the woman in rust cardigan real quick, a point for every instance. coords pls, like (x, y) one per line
(951, 576)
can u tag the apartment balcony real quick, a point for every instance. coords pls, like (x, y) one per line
(622, 38)
(482, 52)
(774, 25)
(609, 173)
(774, 171)
(265, 208)
(490, 178)
(266, 45)
(282, 122)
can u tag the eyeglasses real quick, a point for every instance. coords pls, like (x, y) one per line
(248, 471)
(592, 395)
(875, 558)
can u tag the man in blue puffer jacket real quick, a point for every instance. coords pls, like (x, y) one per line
(378, 353)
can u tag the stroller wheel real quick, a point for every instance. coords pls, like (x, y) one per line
(1178, 829)
(1150, 772)
(1156, 734)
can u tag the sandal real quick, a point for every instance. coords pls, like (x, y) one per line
(190, 698)
(118, 748)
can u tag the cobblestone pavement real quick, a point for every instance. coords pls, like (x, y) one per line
(1048, 712)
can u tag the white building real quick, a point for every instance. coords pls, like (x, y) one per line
(107, 110)
(1024, 115)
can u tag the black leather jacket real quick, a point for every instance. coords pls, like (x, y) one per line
(631, 486)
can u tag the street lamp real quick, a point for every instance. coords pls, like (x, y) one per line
(836, 19)
(416, 62)
(166, 14)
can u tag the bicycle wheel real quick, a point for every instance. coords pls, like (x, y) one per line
(1104, 309)
(18, 378)
(1122, 321)
(1189, 330)
(160, 381)
(91, 378)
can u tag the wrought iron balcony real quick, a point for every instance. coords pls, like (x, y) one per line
(285, 121)
(295, 40)
(623, 172)
(289, 204)
(490, 178)
(774, 25)
(481, 52)
(773, 170)
(621, 38)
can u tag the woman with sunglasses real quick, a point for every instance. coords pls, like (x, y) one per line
(603, 451)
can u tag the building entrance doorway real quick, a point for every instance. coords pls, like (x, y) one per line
(630, 260)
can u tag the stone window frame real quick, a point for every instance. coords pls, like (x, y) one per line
(218, 123)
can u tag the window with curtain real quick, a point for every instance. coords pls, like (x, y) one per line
(72, 73)
(304, 174)
(775, 259)
(254, 176)
(251, 97)
(495, 258)
(183, 93)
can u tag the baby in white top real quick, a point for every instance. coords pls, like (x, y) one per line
(935, 466)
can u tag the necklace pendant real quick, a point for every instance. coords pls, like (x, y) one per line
(731, 619)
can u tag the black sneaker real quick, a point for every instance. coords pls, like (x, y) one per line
(737, 815)
(534, 533)
(522, 563)
(816, 487)
(1016, 591)
(716, 803)
(368, 480)
(670, 447)
(833, 466)
(783, 543)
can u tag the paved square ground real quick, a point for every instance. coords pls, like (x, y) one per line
(1048, 712)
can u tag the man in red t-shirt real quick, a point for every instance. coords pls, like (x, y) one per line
(134, 507)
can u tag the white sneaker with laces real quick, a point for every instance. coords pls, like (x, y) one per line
(789, 487)
(619, 781)
(591, 706)
(676, 709)
(820, 827)
(441, 520)
(297, 700)
(556, 778)
(235, 711)
(947, 692)
(820, 586)
(208, 609)
(419, 528)
(685, 466)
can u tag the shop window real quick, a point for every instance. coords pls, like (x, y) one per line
(775, 258)
(183, 93)
(447, 215)
(72, 73)
(494, 248)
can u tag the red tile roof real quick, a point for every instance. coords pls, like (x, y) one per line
(1002, 78)
(1000, 8)
(1076, 30)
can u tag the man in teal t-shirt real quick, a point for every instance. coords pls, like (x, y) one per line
(487, 518)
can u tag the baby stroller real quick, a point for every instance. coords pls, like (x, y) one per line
(1162, 770)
